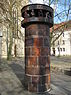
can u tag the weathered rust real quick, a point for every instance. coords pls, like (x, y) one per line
(38, 19)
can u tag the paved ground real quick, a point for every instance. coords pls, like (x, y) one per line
(64, 59)
(61, 64)
(61, 84)
(12, 80)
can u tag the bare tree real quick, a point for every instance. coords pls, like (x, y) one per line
(10, 16)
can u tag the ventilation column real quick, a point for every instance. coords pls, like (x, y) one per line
(38, 18)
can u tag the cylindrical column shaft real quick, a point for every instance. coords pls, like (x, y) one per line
(37, 57)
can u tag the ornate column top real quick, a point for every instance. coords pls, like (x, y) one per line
(36, 6)
(37, 13)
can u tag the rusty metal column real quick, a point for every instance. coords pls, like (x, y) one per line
(38, 18)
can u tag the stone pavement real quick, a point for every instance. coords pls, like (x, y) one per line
(9, 83)
(61, 84)
(61, 64)
(12, 80)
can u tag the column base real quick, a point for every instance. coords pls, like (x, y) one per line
(37, 84)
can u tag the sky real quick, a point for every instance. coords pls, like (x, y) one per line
(37, 1)
(61, 8)
(58, 8)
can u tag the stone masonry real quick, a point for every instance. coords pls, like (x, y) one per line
(38, 19)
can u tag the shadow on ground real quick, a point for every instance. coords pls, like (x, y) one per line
(20, 73)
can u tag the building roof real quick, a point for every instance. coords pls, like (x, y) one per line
(57, 26)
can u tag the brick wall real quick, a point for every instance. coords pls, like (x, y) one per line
(37, 57)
